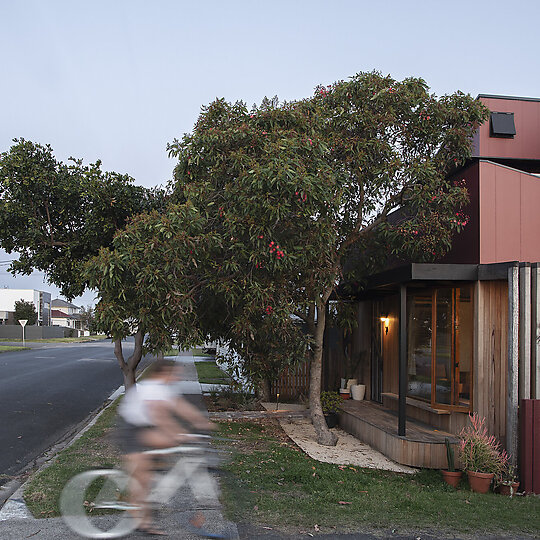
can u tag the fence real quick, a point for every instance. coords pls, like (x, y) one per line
(293, 383)
(12, 331)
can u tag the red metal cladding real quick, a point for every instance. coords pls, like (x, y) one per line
(524, 145)
(526, 445)
(536, 446)
(509, 219)
(529, 445)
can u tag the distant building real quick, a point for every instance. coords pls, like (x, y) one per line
(40, 299)
(66, 314)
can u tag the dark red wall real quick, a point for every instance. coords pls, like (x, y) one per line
(466, 245)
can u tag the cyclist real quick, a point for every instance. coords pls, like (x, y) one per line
(152, 415)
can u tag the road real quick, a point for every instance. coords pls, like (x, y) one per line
(46, 391)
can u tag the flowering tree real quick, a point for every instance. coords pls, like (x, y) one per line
(296, 191)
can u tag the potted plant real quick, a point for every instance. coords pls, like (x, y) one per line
(507, 482)
(451, 476)
(480, 454)
(331, 405)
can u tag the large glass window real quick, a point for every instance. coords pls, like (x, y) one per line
(439, 355)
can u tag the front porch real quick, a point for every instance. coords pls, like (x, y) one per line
(423, 446)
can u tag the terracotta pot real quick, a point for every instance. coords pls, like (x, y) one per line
(480, 482)
(344, 393)
(504, 489)
(452, 478)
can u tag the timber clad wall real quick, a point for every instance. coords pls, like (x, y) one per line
(491, 345)
(390, 307)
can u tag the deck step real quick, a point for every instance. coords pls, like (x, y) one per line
(422, 446)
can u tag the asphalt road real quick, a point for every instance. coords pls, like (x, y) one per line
(46, 392)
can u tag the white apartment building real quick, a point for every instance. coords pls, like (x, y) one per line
(40, 299)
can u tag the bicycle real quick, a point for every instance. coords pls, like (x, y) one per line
(94, 504)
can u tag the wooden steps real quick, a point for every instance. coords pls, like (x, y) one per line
(423, 446)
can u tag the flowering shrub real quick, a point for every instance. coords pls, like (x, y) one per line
(478, 451)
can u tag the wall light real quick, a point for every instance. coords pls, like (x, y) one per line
(386, 322)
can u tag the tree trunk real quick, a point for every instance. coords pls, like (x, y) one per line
(264, 389)
(324, 435)
(128, 368)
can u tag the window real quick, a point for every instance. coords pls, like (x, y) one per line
(502, 125)
(440, 344)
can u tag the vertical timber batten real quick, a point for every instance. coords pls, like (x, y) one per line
(513, 355)
(402, 407)
(535, 331)
(524, 331)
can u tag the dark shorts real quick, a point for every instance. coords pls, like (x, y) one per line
(129, 437)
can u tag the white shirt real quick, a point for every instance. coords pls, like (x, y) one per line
(134, 407)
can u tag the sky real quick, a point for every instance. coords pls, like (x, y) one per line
(117, 80)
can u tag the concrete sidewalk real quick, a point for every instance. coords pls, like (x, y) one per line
(16, 522)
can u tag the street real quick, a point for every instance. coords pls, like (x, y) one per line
(46, 391)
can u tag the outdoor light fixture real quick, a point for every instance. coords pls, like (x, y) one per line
(386, 322)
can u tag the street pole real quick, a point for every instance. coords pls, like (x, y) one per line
(23, 322)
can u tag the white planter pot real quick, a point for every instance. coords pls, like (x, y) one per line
(358, 391)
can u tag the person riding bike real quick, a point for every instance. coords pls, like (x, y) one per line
(152, 416)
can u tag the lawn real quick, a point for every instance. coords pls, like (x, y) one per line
(209, 373)
(275, 484)
(8, 348)
(92, 450)
(82, 339)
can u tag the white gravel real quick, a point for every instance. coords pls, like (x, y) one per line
(348, 451)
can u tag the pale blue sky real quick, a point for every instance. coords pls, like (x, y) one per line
(117, 79)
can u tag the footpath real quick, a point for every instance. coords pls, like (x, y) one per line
(17, 523)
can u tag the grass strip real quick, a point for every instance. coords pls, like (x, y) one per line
(273, 483)
(199, 351)
(83, 339)
(94, 449)
(210, 373)
(11, 348)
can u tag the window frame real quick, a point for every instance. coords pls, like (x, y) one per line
(454, 354)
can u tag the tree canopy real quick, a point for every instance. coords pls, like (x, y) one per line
(56, 216)
(298, 190)
(25, 311)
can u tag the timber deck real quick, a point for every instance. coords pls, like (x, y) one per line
(422, 446)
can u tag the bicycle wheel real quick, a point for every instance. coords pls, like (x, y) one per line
(93, 504)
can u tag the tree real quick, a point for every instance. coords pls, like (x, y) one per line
(88, 318)
(57, 216)
(298, 190)
(147, 282)
(25, 311)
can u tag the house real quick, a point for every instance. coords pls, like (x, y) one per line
(66, 314)
(438, 341)
(40, 299)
